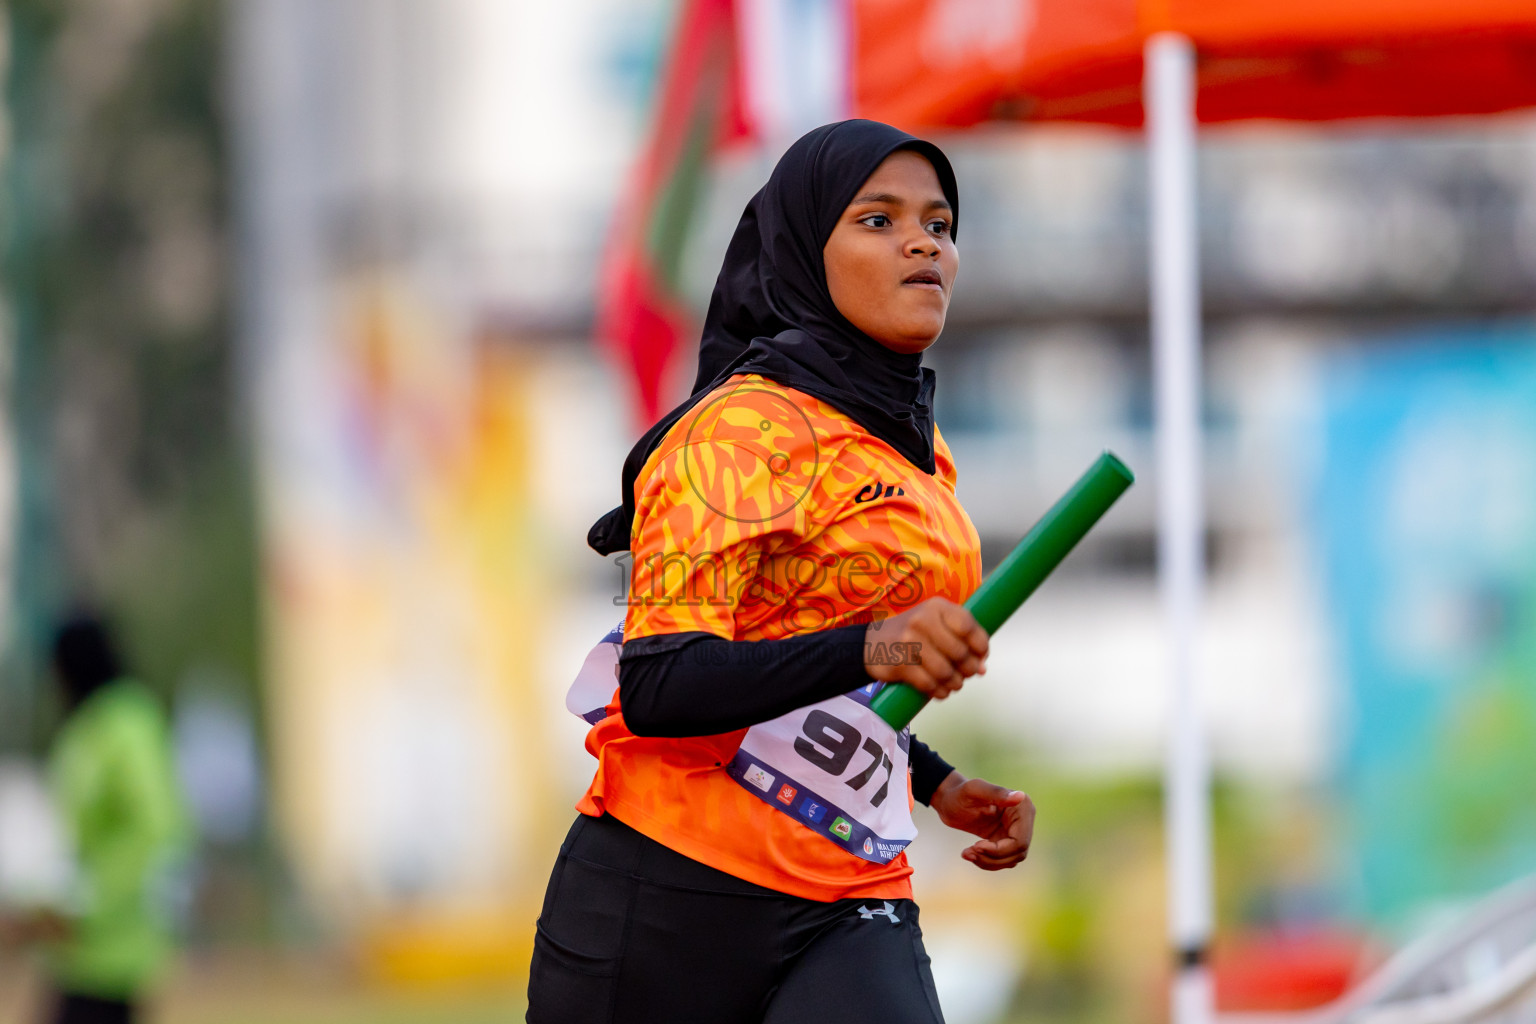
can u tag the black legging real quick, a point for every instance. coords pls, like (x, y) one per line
(635, 933)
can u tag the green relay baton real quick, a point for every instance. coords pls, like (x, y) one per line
(1026, 567)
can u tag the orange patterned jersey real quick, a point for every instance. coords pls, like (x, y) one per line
(764, 513)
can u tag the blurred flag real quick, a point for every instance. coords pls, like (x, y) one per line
(642, 314)
(738, 71)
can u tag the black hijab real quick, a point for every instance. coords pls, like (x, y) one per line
(771, 313)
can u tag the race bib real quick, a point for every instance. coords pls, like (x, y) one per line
(835, 767)
(593, 687)
(838, 769)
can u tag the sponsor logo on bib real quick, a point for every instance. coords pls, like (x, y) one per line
(759, 778)
(787, 794)
(842, 829)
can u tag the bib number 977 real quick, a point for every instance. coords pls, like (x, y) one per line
(831, 744)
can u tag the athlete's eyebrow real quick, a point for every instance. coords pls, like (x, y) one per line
(895, 200)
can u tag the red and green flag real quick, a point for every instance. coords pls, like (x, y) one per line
(642, 316)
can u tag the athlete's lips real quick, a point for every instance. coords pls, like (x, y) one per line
(928, 275)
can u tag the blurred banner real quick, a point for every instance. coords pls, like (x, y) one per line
(391, 227)
(1427, 522)
(404, 599)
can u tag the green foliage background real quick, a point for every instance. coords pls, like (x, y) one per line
(124, 397)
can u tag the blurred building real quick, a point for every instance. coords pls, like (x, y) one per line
(425, 191)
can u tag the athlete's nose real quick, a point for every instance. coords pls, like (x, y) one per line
(920, 243)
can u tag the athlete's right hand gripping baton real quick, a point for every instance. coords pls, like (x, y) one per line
(1026, 567)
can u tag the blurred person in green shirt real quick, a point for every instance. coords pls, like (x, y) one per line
(114, 783)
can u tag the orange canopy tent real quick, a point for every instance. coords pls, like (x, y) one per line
(1172, 64)
(924, 64)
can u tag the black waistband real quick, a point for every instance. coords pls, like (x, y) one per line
(608, 842)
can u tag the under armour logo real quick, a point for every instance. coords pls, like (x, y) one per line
(889, 910)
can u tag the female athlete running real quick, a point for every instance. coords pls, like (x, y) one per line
(796, 544)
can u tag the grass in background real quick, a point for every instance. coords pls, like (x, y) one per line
(1093, 921)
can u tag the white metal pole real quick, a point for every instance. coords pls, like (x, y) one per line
(1170, 106)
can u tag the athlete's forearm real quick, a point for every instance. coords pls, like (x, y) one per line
(929, 770)
(699, 684)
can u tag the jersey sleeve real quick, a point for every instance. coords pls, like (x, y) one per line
(727, 488)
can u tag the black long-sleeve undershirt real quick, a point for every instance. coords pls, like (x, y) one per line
(700, 684)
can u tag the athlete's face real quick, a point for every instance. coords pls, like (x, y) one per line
(890, 261)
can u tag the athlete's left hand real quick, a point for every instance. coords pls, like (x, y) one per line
(1003, 818)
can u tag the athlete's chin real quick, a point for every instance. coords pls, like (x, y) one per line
(913, 335)
(907, 346)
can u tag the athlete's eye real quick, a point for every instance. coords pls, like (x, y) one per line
(939, 227)
(875, 220)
